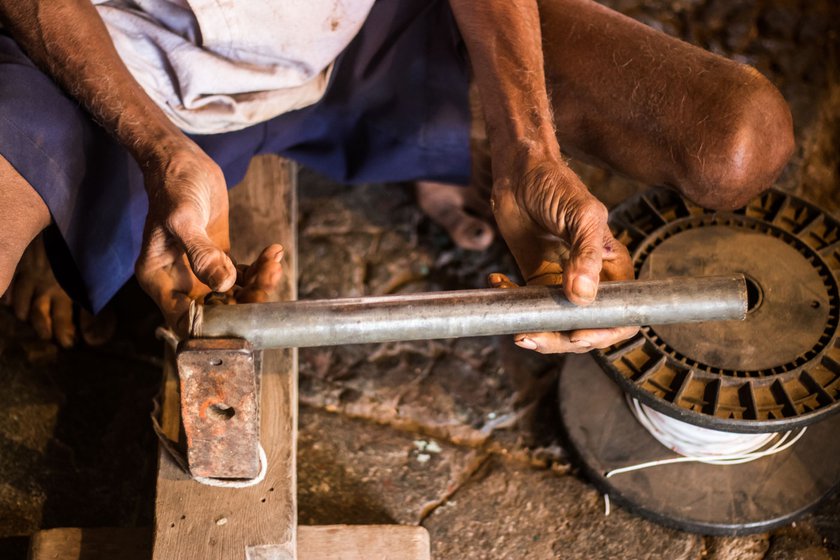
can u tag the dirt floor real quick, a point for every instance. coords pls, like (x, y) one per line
(459, 436)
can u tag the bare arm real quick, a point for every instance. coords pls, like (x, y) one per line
(505, 47)
(187, 193)
(555, 228)
(69, 41)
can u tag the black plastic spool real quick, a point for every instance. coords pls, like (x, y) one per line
(704, 375)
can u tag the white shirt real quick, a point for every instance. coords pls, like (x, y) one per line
(220, 65)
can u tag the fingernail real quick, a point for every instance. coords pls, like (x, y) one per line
(584, 288)
(582, 343)
(279, 256)
(495, 278)
(218, 280)
(527, 344)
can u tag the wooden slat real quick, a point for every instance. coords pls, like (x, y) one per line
(90, 544)
(198, 522)
(330, 542)
(363, 542)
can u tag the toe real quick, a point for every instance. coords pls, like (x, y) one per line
(40, 318)
(61, 311)
(471, 233)
(97, 329)
(22, 299)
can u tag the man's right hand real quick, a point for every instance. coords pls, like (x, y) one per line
(185, 240)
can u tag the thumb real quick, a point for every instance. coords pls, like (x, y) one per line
(209, 262)
(583, 269)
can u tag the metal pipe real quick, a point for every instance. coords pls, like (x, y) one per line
(472, 313)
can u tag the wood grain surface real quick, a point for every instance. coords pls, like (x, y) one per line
(198, 522)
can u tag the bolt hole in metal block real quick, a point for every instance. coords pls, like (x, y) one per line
(222, 411)
(219, 407)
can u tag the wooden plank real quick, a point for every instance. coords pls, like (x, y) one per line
(194, 521)
(363, 542)
(91, 544)
(330, 542)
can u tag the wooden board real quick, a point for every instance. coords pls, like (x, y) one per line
(363, 542)
(91, 544)
(199, 522)
(329, 542)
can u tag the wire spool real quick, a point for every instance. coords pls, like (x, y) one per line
(776, 372)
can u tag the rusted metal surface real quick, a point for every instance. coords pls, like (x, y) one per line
(219, 407)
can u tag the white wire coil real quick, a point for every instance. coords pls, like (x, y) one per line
(702, 445)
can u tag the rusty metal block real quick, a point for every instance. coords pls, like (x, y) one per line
(220, 407)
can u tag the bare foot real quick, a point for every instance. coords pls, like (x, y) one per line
(457, 210)
(36, 297)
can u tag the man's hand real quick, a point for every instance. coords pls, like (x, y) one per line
(556, 230)
(558, 233)
(185, 240)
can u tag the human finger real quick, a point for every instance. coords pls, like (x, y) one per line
(172, 300)
(163, 272)
(550, 343)
(586, 238)
(499, 280)
(618, 264)
(61, 312)
(209, 262)
(602, 338)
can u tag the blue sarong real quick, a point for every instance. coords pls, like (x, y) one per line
(396, 110)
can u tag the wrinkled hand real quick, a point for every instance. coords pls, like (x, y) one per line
(186, 239)
(558, 233)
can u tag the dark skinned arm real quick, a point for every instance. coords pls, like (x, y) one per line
(555, 228)
(186, 236)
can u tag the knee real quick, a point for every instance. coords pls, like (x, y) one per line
(743, 147)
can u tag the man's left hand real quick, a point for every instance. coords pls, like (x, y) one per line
(558, 233)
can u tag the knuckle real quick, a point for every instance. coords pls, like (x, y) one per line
(180, 220)
(201, 256)
(596, 211)
(587, 253)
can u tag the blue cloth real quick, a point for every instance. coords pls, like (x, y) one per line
(396, 109)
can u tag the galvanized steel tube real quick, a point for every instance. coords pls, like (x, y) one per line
(472, 313)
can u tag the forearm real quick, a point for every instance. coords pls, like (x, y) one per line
(504, 42)
(69, 41)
